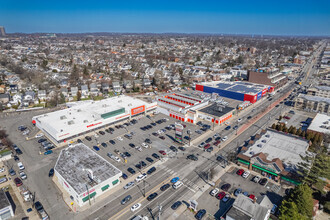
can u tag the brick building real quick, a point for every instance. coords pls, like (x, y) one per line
(267, 76)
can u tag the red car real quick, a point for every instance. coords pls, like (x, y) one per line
(240, 172)
(216, 143)
(286, 117)
(252, 197)
(220, 195)
(162, 152)
(18, 181)
(207, 146)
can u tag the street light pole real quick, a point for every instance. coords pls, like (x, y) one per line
(189, 132)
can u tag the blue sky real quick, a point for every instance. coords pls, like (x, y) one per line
(290, 17)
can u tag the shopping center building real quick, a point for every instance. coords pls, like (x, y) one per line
(81, 118)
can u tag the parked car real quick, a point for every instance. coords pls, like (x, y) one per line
(237, 192)
(200, 214)
(228, 127)
(173, 149)
(12, 172)
(224, 138)
(214, 192)
(18, 181)
(256, 179)
(226, 198)
(246, 174)
(129, 185)
(240, 172)
(124, 176)
(192, 157)
(51, 172)
(96, 148)
(252, 196)
(149, 160)
(263, 181)
(155, 155)
(20, 166)
(151, 170)
(162, 152)
(22, 175)
(182, 148)
(16, 158)
(131, 170)
(104, 145)
(141, 177)
(225, 187)
(220, 195)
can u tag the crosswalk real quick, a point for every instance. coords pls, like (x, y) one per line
(186, 182)
(276, 188)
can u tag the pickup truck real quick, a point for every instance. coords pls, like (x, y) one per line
(41, 212)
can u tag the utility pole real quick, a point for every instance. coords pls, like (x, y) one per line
(89, 199)
(159, 211)
(189, 132)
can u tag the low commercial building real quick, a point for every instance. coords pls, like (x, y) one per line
(275, 155)
(6, 210)
(84, 117)
(242, 91)
(84, 175)
(320, 124)
(245, 208)
(312, 103)
(321, 91)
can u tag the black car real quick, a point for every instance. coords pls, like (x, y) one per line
(143, 128)
(153, 124)
(182, 148)
(249, 117)
(12, 172)
(192, 157)
(42, 140)
(187, 138)
(111, 129)
(16, 158)
(218, 138)
(210, 149)
(108, 131)
(104, 145)
(138, 166)
(152, 196)
(263, 181)
(88, 138)
(18, 151)
(51, 172)
(174, 149)
(143, 163)
(132, 145)
(227, 128)
(131, 170)
(101, 132)
(235, 127)
(127, 154)
(165, 187)
(176, 205)
(112, 142)
(208, 140)
(225, 187)
(148, 141)
(151, 170)
(200, 214)
(124, 176)
(149, 126)
(162, 137)
(155, 134)
(155, 155)
(38, 206)
(79, 141)
(149, 159)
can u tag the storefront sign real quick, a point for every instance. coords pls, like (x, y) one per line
(137, 110)
(90, 191)
(91, 125)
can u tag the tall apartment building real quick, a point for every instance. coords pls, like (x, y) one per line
(2, 31)
(267, 76)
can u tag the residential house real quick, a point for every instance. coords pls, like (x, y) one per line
(2, 89)
(74, 91)
(13, 88)
(93, 89)
(146, 83)
(64, 91)
(84, 91)
(16, 99)
(137, 84)
(4, 98)
(105, 87)
(128, 85)
(29, 96)
(42, 95)
(116, 86)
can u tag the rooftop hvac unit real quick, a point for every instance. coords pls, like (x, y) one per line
(85, 121)
(78, 110)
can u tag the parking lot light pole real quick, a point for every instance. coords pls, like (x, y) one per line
(189, 132)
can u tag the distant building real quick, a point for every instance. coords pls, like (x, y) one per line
(322, 91)
(312, 103)
(2, 31)
(320, 124)
(6, 210)
(84, 174)
(267, 76)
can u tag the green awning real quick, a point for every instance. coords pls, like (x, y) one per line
(90, 196)
(105, 187)
(263, 169)
(290, 180)
(243, 161)
(115, 182)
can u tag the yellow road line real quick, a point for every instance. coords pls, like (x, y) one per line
(127, 208)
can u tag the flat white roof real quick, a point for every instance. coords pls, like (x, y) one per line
(79, 165)
(287, 148)
(321, 123)
(87, 115)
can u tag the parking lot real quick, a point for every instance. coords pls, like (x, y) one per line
(217, 208)
(296, 118)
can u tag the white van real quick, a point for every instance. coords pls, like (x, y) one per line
(177, 185)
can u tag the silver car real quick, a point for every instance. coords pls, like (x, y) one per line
(129, 185)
